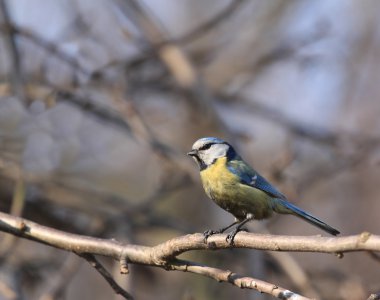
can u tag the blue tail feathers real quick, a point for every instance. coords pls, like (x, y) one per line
(304, 215)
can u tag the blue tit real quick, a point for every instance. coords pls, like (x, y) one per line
(237, 188)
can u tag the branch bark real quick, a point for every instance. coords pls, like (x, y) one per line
(164, 255)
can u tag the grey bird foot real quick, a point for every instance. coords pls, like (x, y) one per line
(231, 236)
(209, 233)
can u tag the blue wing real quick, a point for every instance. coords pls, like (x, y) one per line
(250, 177)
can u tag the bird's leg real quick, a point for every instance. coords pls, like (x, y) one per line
(231, 236)
(210, 232)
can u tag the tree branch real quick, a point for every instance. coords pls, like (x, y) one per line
(164, 255)
(243, 282)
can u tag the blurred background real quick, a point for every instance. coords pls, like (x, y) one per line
(101, 100)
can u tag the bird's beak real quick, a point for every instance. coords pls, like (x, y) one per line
(192, 153)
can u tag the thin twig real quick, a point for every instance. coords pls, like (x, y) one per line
(105, 274)
(243, 282)
(17, 206)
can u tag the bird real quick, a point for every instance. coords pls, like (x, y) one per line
(240, 190)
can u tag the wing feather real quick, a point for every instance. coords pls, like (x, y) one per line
(250, 177)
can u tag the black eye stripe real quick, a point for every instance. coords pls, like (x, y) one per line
(206, 146)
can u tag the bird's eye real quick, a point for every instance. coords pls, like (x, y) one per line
(206, 146)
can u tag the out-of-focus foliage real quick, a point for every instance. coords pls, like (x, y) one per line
(100, 101)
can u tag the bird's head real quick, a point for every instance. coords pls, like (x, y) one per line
(207, 150)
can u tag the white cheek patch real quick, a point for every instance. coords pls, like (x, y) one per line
(216, 151)
(207, 158)
(219, 150)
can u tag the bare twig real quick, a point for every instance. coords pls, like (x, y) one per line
(17, 206)
(235, 279)
(106, 275)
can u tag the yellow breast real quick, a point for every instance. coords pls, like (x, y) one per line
(217, 175)
(226, 189)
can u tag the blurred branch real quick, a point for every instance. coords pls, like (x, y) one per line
(338, 141)
(164, 255)
(48, 46)
(314, 133)
(362, 151)
(210, 24)
(295, 272)
(88, 106)
(140, 129)
(126, 116)
(60, 279)
(173, 57)
(287, 49)
(13, 52)
(7, 292)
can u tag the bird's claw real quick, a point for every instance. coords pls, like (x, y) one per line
(209, 233)
(231, 236)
